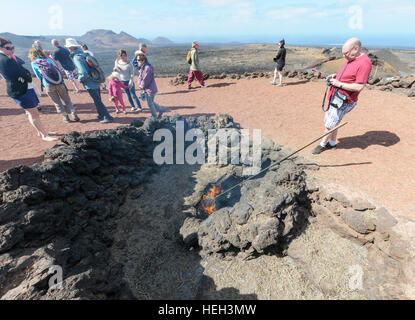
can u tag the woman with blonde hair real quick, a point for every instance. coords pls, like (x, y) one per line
(17, 79)
(47, 71)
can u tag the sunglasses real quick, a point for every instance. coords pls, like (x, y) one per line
(9, 48)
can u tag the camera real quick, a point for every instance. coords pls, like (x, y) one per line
(328, 81)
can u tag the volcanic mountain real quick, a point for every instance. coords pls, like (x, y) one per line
(109, 39)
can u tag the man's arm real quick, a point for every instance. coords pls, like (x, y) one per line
(354, 87)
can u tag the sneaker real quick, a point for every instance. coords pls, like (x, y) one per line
(280, 85)
(139, 109)
(66, 119)
(125, 112)
(43, 111)
(48, 138)
(107, 121)
(273, 83)
(117, 111)
(330, 147)
(319, 149)
(75, 117)
(189, 88)
(204, 86)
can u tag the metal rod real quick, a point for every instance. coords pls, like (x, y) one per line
(285, 158)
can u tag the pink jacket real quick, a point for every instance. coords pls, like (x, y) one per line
(114, 88)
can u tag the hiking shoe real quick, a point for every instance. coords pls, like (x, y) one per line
(75, 117)
(107, 121)
(43, 111)
(66, 119)
(319, 149)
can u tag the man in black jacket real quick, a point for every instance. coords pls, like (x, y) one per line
(280, 62)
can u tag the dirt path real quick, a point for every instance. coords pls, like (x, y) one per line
(375, 158)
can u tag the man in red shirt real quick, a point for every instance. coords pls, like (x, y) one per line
(350, 81)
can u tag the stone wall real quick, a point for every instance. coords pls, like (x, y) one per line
(401, 85)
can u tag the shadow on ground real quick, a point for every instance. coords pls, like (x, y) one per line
(221, 85)
(370, 138)
(7, 164)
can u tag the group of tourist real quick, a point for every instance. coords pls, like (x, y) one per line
(72, 59)
(345, 86)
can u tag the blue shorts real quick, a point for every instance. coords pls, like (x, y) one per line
(335, 115)
(27, 101)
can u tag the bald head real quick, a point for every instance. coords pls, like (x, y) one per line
(352, 49)
(351, 43)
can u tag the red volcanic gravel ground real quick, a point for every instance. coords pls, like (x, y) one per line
(375, 158)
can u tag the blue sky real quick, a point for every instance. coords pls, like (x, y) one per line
(223, 20)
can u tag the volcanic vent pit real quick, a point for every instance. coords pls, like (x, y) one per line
(118, 226)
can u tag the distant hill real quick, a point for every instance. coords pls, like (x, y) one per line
(161, 41)
(98, 38)
(108, 39)
(21, 41)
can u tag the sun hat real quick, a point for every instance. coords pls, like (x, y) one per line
(194, 44)
(70, 42)
(117, 75)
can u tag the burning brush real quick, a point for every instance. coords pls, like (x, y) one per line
(208, 202)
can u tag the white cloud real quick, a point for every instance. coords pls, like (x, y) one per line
(294, 13)
(289, 13)
(226, 3)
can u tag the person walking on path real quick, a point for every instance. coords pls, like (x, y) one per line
(114, 89)
(195, 68)
(280, 63)
(17, 80)
(57, 92)
(345, 89)
(126, 71)
(62, 55)
(84, 77)
(147, 83)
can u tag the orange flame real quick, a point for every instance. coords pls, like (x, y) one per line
(208, 200)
